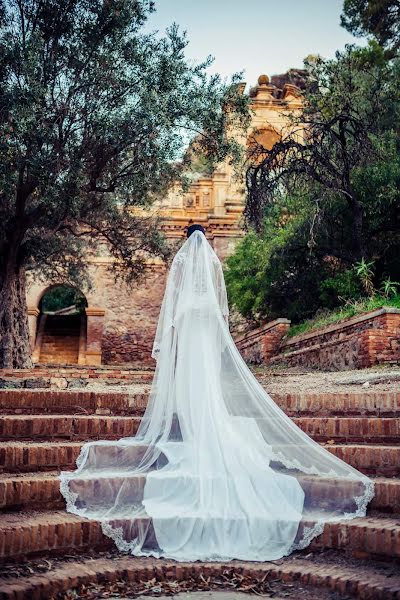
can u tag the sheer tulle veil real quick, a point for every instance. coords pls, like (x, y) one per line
(216, 471)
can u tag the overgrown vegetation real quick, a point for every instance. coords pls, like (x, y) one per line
(323, 208)
(351, 309)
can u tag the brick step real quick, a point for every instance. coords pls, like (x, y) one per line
(49, 350)
(60, 345)
(28, 456)
(369, 459)
(75, 427)
(72, 402)
(23, 457)
(57, 531)
(56, 359)
(384, 404)
(42, 491)
(351, 429)
(42, 371)
(62, 359)
(370, 582)
(61, 336)
(60, 341)
(83, 427)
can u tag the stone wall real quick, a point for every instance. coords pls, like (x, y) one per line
(362, 341)
(259, 345)
(131, 315)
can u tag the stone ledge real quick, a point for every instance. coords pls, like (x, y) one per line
(262, 329)
(363, 582)
(343, 324)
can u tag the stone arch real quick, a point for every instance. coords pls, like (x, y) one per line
(266, 136)
(90, 322)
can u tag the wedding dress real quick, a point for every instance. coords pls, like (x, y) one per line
(216, 471)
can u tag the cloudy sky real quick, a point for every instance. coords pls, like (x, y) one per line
(257, 36)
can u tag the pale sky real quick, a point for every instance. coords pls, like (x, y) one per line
(257, 36)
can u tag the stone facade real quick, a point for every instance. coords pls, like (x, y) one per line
(121, 320)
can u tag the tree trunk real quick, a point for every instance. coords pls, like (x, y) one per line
(358, 224)
(15, 351)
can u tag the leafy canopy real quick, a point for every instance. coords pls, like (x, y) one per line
(377, 18)
(94, 116)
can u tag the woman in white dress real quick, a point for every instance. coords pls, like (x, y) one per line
(216, 471)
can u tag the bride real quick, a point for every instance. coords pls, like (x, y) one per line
(216, 471)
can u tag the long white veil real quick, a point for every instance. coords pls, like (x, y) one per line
(216, 471)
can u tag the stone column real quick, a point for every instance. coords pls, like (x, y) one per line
(33, 314)
(94, 334)
(220, 185)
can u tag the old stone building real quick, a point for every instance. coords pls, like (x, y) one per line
(119, 321)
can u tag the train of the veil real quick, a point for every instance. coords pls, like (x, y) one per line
(216, 471)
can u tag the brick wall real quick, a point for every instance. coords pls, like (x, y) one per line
(369, 339)
(259, 345)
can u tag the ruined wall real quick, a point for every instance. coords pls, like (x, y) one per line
(369, 339)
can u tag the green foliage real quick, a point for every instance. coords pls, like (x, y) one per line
(365, 272)
(379, 18)
(342, 287)
(94, 118)
(389, 288)
(62, 296)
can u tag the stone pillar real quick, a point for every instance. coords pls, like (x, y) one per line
(220, 185)
(33, 314)
(260, 345)
(94, 334)
(272, 338)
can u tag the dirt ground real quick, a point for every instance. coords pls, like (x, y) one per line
(281, 380)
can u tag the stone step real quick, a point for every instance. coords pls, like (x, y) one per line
(369, 459)
(50, 353)
(385, 404)
(61, 349)
(72, 401)
(382, 404)
(369, 582)
(42, 491)
(59, 346)
(70, 373)
(25, 456)
(61, 359)
(67, 427)
(351, 429)
(367, 430)
(58, 532)
(60, 341)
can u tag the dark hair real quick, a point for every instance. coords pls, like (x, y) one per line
(195, 227)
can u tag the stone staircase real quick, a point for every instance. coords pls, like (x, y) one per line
(60, 342)
(42, 431)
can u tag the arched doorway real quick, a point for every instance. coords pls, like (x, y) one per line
(61, 331)
(264, 138)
